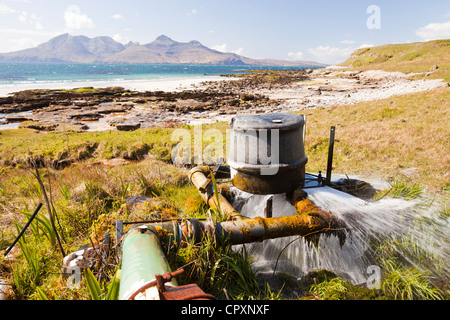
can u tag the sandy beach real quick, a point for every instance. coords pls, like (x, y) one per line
(165, 84)
(128, 105)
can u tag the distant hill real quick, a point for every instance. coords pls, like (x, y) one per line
(430, 59)
(163, 50)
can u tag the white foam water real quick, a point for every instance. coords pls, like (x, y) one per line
(368, 222)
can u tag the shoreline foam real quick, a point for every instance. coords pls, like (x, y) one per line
(165, 84)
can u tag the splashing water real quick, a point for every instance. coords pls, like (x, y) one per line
(410, 230)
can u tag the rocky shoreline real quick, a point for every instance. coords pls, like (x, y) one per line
(261, 91)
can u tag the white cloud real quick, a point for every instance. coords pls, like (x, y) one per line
(23, 17)
(24, 43)
(117, 16)
(193, 11)
(18, 39)
(330, 55)
(220, 47)
(38, 26)
(4, 9)
(224, 48)
(76, 20)
(32, 19)
(336, 55)
(434, 31)
(295, 55)
(238, 51)
(119, 38)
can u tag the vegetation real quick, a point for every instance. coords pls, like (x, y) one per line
(86, 208)
(88, 196)
(422, 59)
(401, 138)
(87, 177)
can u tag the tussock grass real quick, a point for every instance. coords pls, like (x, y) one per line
(87, 199)
(63, 148)
(400, 138)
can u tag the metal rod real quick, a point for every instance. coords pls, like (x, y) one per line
(330, 156)
(269, 207)
(24, 229)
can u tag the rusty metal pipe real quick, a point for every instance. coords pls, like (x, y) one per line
(309, 218)
(198, 177)
(259, 229)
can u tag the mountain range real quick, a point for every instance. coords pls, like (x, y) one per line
(163, 50)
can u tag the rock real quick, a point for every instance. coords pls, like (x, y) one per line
(112, 107)
(84, 257)
(247, 97)
(6, 291)
(410, 171)
(16, 118)
(128, 126)
(85, 115)
(380, 77)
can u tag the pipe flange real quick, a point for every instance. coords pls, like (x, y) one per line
(196, 230)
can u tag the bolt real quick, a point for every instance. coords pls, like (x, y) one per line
(142, 229)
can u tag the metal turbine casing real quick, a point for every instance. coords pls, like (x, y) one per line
(254, 142)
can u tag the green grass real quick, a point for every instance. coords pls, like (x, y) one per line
(408, 58)
(374, 139)
(386, 138)
(18, 145)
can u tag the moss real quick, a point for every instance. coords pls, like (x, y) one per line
(324, 285)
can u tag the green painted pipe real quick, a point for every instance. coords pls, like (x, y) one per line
(142, 258)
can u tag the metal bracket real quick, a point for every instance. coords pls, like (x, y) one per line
(330, 156)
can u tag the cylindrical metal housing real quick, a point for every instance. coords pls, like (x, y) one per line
(267, 153)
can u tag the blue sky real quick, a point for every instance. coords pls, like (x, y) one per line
(323, 31)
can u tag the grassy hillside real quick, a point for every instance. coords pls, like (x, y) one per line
(419, 58)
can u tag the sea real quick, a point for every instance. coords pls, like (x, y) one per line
(16, 76)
